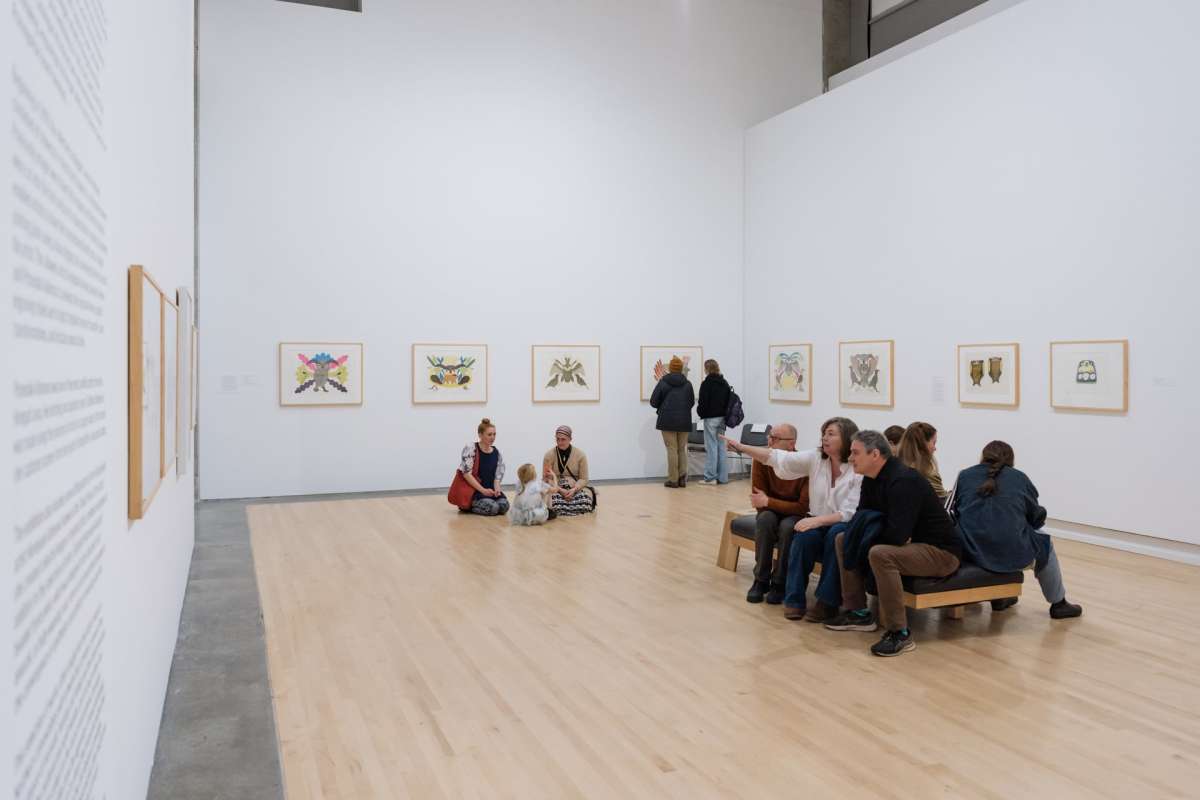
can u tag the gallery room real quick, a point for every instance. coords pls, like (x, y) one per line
(599, 399)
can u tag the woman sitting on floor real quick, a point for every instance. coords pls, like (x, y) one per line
(565, 468)
(997, 511)
(488, 500)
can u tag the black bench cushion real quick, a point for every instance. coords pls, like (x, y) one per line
(968, 576)
(744, 525)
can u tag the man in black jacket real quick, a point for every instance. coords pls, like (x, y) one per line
(918, 538)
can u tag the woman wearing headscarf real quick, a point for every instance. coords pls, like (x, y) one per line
(566, 469)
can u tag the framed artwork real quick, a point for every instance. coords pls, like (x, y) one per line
(656, 360)
(320, 374)
(170, 385)
(790, 373)
(866, 373)
(449, 373)
(146, 389)
(183, 424)
(565, 373)
(989, 375)
(1090, 375)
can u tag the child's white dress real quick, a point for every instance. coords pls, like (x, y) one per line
(529, 506)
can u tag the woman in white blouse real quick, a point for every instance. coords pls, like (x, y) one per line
(833, 489)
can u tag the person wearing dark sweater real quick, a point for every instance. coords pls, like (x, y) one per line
(780, 504)
(998, 514)
(918, 538)
(673, 399)
(714, 400)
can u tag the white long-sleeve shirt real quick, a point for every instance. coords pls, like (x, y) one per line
(824, 495)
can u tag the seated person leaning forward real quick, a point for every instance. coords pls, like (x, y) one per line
(917, 537)
(779, 504)
(832, 498)
(565, 468)
(996, 507)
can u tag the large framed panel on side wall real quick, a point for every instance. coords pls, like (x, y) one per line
(186, 375)
(146, 389)
(170, 385)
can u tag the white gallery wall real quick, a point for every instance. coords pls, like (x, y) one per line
(470, 172)
(1032, 178)
(96, 145)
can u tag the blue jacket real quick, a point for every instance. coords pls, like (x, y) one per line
(862, 531)
(1000, 531)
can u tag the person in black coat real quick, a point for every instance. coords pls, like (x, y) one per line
(714, 401)
(673, 398)
(998, 514)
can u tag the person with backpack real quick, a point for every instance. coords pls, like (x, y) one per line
(673, 399)
(714, 402)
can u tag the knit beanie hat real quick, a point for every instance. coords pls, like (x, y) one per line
(676, 364)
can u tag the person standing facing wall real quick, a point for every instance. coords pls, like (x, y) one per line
(673, 399)
(714, 400)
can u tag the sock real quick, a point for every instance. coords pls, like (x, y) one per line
(903, 633)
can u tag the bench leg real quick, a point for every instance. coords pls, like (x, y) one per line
(955, 612)
(727, 555)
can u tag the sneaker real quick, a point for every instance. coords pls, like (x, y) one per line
(1007, 602)
(1064, 610)
(894, 643)
(793, 613)
(821, 612)
(775, 596)
(707, 482)
(757, 591)
(852, 621)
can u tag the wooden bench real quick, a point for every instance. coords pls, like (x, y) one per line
(970, 584)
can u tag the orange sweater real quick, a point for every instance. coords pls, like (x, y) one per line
(786, 498)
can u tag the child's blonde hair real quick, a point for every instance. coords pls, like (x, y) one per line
(526, 473)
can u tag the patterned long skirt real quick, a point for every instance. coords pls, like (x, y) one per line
(584, 502)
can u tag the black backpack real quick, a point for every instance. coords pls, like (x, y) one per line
(733, 410)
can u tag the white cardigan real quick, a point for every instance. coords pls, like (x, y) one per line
(823, 498)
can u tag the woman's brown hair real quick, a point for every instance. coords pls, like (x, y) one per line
(711, 367)
(914, 447)
(846, 428)
(484, 425)
(997, 455)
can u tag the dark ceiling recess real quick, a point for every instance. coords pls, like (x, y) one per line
(340, 5)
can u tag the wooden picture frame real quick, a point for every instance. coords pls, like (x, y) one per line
(861, 382)
(145, 391)
(195, 377)
(321, 386)
(1077, 376)
(988, 375)
(170, 379)
(184, 390)
(793, 360)
(564, 373)
(652, 356)
(450, 374)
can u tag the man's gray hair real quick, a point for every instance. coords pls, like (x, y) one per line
(874, 440)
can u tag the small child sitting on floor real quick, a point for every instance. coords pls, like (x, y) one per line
(531, 504)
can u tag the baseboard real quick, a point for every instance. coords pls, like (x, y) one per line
(1121, 540)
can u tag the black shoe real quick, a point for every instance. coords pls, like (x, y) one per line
(683, 482)
(671, 484)
(852, 621)
(1064, 610)
(757, 591)
(894, 643)
(775, 596)
(1007, 602)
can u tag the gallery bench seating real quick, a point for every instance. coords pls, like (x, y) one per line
(969, 584)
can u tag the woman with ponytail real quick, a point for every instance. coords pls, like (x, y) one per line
(917, 446)
(997, 511)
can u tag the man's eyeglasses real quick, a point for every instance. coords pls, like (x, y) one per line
(781, 438)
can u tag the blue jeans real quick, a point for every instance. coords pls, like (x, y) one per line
(1046, 569)
(808, 548)
(716, 459)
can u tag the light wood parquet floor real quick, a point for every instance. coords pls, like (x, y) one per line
(416, 652)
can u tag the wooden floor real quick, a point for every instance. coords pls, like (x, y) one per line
(416, 652)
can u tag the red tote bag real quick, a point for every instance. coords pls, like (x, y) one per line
(461, 493)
